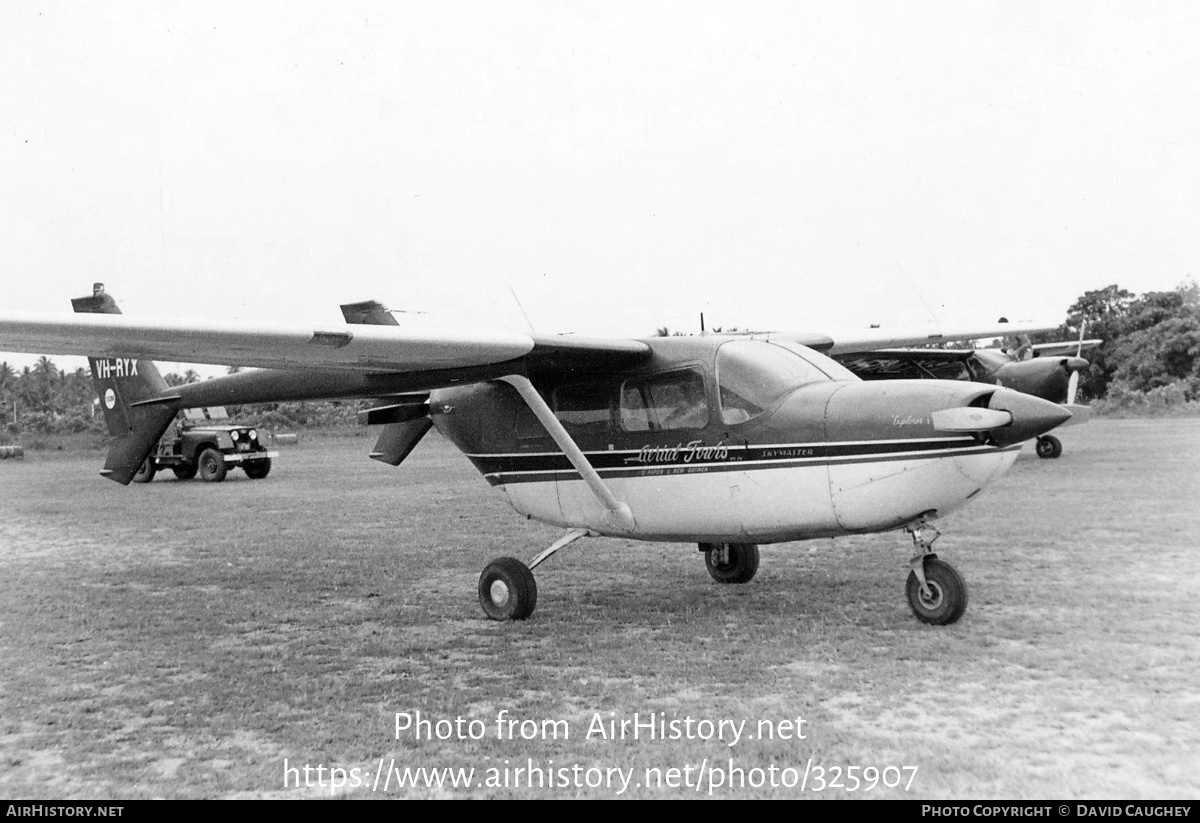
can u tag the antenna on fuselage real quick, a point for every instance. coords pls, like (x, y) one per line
(702, 322)
(522, 308)
(917, 292)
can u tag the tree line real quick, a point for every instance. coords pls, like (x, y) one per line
(1151, 349)
(1151, 343)
(44, 400)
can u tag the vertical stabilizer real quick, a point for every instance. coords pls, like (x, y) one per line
(122, 384)
(399, 436)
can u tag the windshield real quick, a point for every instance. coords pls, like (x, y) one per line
(753, 375)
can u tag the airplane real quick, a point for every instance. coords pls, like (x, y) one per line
(1046, 370)
(727, 442)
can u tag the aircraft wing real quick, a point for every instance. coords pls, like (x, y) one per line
(1066, 347)
(909, 364)
(321, 347)
(861, 340)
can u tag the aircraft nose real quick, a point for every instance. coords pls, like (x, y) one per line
(1031, 416)
(1073, 364)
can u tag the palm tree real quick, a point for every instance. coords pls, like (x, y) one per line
(46, 374)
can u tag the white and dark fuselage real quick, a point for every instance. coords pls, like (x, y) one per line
(733, 440)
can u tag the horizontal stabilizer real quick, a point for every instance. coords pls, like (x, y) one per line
(397, 413)
(970, 419)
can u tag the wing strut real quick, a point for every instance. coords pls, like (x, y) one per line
(620, 511)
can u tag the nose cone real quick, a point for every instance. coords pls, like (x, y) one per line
(1031, 416)
(1044, 377)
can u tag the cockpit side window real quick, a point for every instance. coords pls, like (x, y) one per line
(658, 402)
(752, 375)
(585, 408)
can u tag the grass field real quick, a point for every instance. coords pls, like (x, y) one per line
(182, 639)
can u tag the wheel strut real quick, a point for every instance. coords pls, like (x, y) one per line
(920, 530)
(507, 588)
(562, 542)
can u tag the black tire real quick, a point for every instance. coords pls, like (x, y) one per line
(212, 466)
(948, 594)
(185, 471)
(145, 472)
(507, 590)
(741, 566)
(1049, 447)
(257, 469)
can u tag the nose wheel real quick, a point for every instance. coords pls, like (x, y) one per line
(1048, 447)
(937, 593)
(943, 598)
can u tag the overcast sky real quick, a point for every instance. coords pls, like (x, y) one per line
(617, 166)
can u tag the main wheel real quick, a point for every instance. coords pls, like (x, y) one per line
(185, 471)
(947, 599)
(145, 472)
(257, 469)
(507, 590)
(738, 566)
(212, 466)
(1048, 447)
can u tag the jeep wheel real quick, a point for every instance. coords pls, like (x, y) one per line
(145, 472)
(212, 466)
(184, 471)
(257, 469)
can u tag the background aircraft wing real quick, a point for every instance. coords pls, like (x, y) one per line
(859, 340)
(297, 346)
(1067, 347)
(909, 364)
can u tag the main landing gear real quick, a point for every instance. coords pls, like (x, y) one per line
(731, 562)
(936, 591)
(1048, 447)
(507, 589)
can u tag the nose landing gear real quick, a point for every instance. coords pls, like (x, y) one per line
(1048, 447)
(937, 594)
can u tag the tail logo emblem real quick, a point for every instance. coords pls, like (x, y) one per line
(110, 398)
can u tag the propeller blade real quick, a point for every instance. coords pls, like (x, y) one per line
(1072, 388)
(970, 419)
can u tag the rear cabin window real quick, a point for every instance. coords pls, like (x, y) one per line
(663, 402)
(753, 375)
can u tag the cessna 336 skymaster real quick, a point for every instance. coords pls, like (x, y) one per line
(723, 441)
